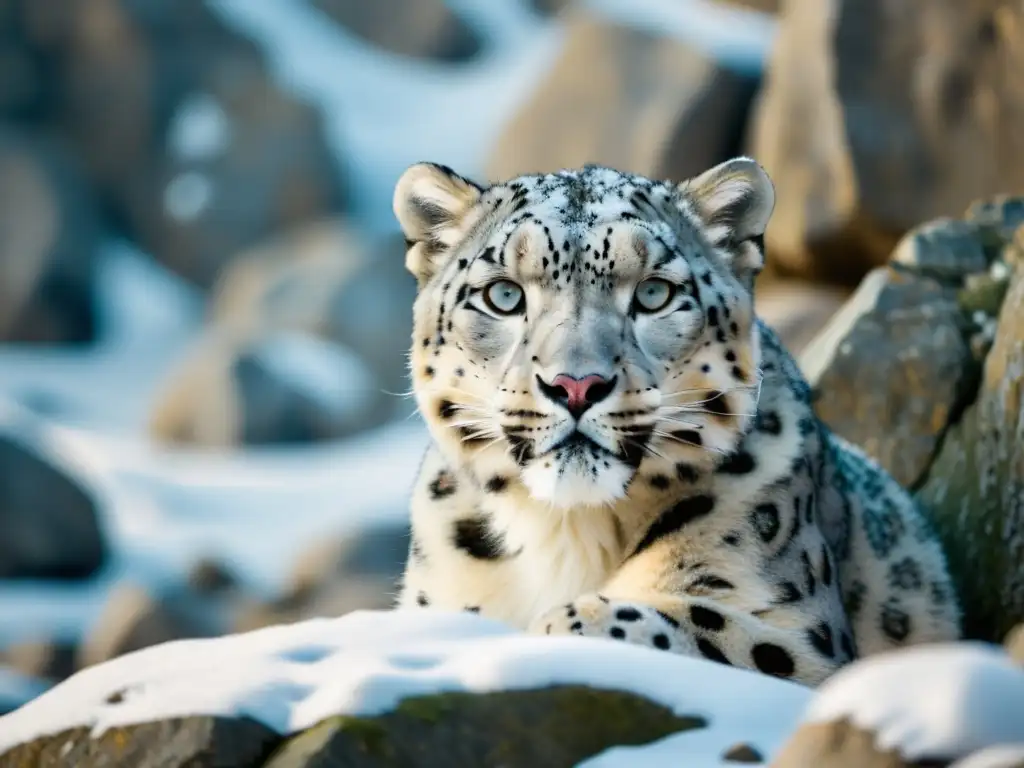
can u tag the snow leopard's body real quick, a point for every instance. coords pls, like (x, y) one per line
(605, 466)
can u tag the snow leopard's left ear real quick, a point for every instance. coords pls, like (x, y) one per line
(431, 202)
(734, 201)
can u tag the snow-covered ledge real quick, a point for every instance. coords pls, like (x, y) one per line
(414, 687)
(290, 678)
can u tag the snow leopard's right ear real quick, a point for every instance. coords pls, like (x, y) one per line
(431, 202)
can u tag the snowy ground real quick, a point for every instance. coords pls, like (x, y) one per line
(292, 677)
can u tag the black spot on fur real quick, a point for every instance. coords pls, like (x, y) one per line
(659, 482)
(522, 449)
(711, 651)
(826, 566)
(821, 638)
(853, 600)
(474, 536)
(674, 518)
(670, 620)
(472, 609)
(739, 463)
(443, 485)
(765, 519)
(846, 643)
(422, 599)
(618, 633)
(706, 618)
(661, 641)
(811, 585)
(627, 614)
(773, 660)
(895, 622)
(717, 403)
(690, 436)
(732, 539)
(497, 484)
(905, 574)
(686, 473)
(768, 422)
(711, 581)
(788, 593)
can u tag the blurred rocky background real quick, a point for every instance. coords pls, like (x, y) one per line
(198, 264)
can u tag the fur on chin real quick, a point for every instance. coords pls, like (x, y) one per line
(573, 485)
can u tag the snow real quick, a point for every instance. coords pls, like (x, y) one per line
(291, 677)
(200, 129)
(188, 195)
(943, 700)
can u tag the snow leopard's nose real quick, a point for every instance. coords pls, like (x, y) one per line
(577, 395)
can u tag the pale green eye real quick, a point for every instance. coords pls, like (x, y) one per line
(505, 297)
(654, 294)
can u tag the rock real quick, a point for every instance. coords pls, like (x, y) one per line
(50, 520)
(744, 754)
(797, 310)
(211, 577)
(974, 489)
(629, 99)
(836, 745)
(134, 618)
(21, 78)
(246, 159)
(290, 320)
(330, 280)
(50, 660)
(557, 726)
(279, 388)
(197, 741)
(378, 551)
(1015, 644)
(425, 29)
(923, 706)
(48, 252)
(880, 114)
(892, 368)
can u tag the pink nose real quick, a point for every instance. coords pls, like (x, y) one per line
(577, 395)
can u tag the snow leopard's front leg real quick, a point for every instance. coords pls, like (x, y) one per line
(794, 637)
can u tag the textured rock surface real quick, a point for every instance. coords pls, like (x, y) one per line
(975, 487)
(48, 246)
(899, 372)
(923, 369)
(421, 28)
(835, 745)
(50, 522)
(880, 114)
(629, 99)
(192, 742)
(555, 727)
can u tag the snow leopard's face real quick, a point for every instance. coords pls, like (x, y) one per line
(571, 328)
